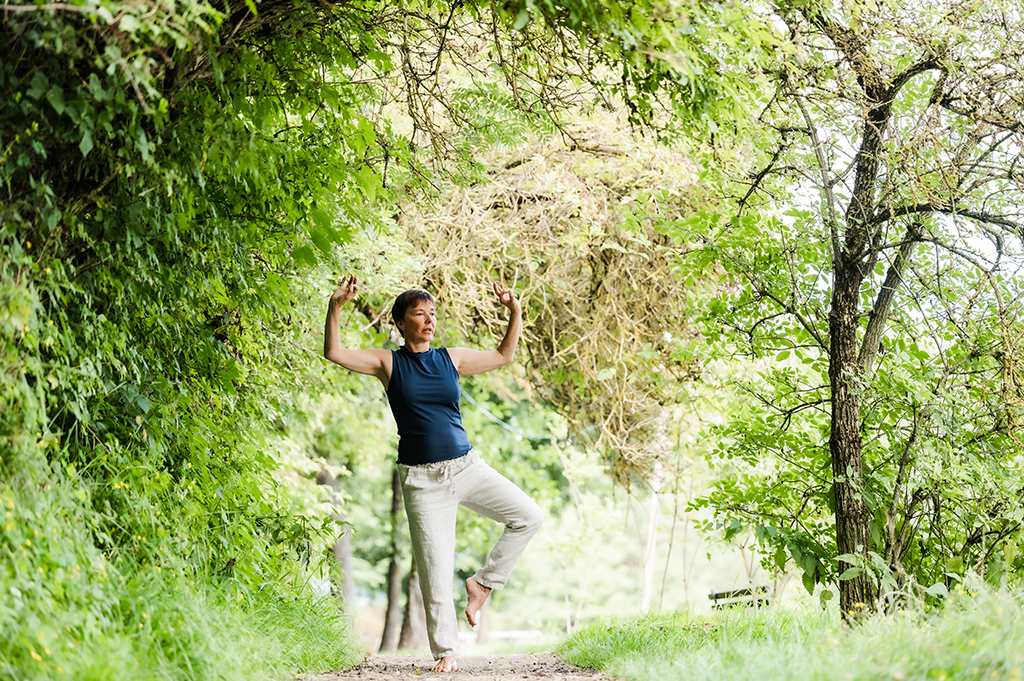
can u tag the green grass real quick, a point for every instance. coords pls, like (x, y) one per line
(67, 611)
(978, 635)
(168, 629)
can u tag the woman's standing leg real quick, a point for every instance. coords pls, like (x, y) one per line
(431, 508)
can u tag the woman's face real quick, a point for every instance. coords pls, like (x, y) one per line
(419, 322)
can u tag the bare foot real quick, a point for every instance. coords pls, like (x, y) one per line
(478, 594)
(445, 664)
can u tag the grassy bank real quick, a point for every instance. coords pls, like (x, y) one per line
(71, 611)
(977, 635)
(166, 628)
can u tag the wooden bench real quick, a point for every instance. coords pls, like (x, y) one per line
(755, 597)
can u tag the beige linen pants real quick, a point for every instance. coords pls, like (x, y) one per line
(433, 493)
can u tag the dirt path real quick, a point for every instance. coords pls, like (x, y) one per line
(471, 667)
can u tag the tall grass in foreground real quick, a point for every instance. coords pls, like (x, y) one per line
(71, 611)
(978, 635)
(171, 629)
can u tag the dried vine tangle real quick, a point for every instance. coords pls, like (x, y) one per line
(600, 281)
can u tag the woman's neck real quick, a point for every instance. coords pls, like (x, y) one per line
(417, 348)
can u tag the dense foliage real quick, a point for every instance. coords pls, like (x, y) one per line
(172, 176)
(154, 218)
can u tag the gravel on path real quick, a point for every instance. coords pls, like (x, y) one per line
(471, 668)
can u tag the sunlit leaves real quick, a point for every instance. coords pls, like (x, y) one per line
(663, 51)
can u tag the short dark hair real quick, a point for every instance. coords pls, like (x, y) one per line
(406, 300)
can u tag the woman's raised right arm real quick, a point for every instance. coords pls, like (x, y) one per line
(373, 362)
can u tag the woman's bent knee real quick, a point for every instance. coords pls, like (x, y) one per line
(532, 520)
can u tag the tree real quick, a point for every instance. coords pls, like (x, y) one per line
(892, 164)
(342, 547)
(393, 616)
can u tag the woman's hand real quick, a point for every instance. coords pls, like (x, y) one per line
(469, 362)
(506, 297)
(372, 362)
(346, 292)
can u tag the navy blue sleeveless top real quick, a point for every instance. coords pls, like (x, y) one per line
(424, 395)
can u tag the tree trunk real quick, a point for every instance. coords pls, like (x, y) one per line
(414, 623)
(852, 514)
(389, 640)
(342, 548)
(652, 539)
(869, 349)
(483, 623)
(342, 551)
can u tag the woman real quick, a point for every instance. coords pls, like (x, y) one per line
(437, 466)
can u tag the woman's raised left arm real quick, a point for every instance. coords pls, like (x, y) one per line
(468, 362)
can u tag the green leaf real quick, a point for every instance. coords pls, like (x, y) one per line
(55, 96)
(369, 181)
(321, 241)
(40, 84)
(96, 88)
(938, 589)
(304, 255)
(808, 581)
(228, 375)
(142, 143)
(321, 219)
(850, 573)
(522, 20)
(86, 144)
(128, 23)
(780, 558)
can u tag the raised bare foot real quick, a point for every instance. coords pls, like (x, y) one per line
(478, 594)
(445, 664)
